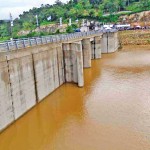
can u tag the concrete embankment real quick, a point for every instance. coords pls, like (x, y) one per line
(30, 74)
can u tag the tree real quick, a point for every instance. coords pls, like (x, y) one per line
(145, 4)
(58, 2)
(110, 6)
(121, 4)
(4, 30)
(75, 1)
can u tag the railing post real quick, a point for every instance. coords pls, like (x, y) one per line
(36, 41)
(16, 45)
(7, 46)
(30, 42)
(23, 43)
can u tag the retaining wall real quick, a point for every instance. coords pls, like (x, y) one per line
(6, 107)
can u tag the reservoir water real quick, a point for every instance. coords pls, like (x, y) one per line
(111, 112)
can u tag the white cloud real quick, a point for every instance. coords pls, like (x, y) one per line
(16, 7)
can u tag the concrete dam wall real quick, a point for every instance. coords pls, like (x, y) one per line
(30, 73)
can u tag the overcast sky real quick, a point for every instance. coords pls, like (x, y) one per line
(16, 7)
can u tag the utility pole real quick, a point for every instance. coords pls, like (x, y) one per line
(37, 24)
(60, 20)
(11, 26)
(70, 22)
(37, 21)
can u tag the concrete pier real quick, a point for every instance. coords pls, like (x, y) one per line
(98, 52)
(55, 67)
(96, 47)
(67, 62)
(73, 62)
(73, 59)
(86, 53)
(29, 74)
(110, 42)
(79, 64)
(60, 60)
(92, 41)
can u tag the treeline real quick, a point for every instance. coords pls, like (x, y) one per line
(75, 9)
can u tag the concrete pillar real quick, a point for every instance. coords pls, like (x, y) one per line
(104, 46)
(92, 48)
(50, 79)
(86, 52)
(78, 47)
(60, 58)
(110, 42)
(80, 66)
(117, 44)
(74, 63)
(97, 40)
(55, 68)
(113, 43)
(67, 61)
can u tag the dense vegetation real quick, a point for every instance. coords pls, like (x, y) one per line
(75, 9)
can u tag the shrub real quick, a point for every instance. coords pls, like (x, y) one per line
(57, 31)
(69, 29)
(32, 34)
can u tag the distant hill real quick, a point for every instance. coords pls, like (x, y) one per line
(75, 9)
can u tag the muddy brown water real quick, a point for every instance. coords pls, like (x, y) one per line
(111, 112)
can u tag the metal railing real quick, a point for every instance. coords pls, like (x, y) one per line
(17, 44)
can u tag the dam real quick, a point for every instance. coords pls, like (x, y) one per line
(31, 69)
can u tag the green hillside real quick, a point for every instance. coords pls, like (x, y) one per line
(75, 9)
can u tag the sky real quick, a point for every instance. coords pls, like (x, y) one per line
(16, 7)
